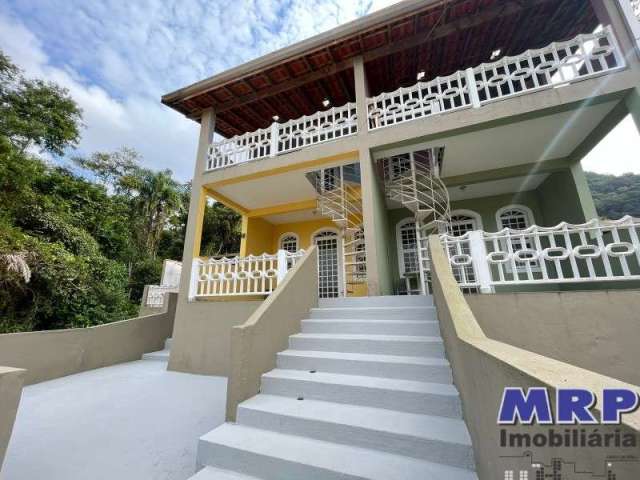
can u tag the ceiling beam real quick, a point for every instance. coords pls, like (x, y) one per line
(508, 8)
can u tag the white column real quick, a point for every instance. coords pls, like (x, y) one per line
(193, 279)
(282, 265)
(473, 87)
(479, 261)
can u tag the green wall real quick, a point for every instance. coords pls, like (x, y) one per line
(565, 197)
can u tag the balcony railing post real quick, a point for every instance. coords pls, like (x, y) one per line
(472, 85)
(193, 280)
(275, 131)
(479, 261)
(282, 265)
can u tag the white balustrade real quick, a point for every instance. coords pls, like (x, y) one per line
(324, 126)
(590, 252)
(156, 294)
(251, 275)
(444, 94)
(560, 63)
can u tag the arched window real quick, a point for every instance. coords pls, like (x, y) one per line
(516, 217)
(407, 244)
(463, 221)
(289, 242)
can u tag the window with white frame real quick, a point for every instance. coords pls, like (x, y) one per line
(517, 217)
(407, 243)
(289, 242)
(463, 221)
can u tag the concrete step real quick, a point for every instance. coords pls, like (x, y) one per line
(212, 473)
(376, 313)
(276, 456)
(371, 327)
(415, 346)
(436, 439)
(160, 355)
(424, 369)
(382, 301)
(167, 343)
(402, 395)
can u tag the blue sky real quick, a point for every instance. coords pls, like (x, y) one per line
(118, 57)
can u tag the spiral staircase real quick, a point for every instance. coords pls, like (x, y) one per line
(413, 179)
(339, 198)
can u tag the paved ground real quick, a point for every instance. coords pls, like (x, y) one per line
(129, 421)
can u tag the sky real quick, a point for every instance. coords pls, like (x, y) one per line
(118, 57)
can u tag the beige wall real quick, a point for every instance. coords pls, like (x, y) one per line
(11, 380)
(596, 330)
(483, 367)
(202, 334)
(255, 343)
(56, 353)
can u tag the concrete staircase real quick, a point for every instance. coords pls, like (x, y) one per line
(160, 355)
(364, 392)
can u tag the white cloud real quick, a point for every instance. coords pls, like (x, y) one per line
(117, 58)
(618, 152)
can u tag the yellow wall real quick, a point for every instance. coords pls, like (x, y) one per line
(257, 235)
(304, 230)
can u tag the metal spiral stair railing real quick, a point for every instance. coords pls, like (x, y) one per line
(418, 187)
(340, 200)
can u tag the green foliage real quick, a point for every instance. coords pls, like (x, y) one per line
(76, 252)
(615, 196)
(34, 112)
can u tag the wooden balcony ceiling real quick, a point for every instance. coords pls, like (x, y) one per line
(437, 37)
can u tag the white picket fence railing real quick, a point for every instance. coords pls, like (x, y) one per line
(331, 124)
(156, 294)
(251, 275)
(591, 252)
(560, 63)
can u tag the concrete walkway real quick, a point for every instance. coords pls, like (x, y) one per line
(129, 421)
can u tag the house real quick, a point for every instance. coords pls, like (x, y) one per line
(387, 172)
(417, 237)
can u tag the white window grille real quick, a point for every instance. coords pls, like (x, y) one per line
(289, 243)
(407, 248)
(508, 475)
(524, 475)
(518, 217)
(461, 223)
(515, 219)
(328, 266)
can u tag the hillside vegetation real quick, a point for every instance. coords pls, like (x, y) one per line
(615, 196)
(78, 243)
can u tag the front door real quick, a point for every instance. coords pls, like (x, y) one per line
(328, 264)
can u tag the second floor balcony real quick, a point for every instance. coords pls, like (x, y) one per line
(556, 65)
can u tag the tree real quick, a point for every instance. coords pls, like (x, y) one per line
(615, 196)
(35, 112)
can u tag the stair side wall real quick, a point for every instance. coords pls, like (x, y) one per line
(483, 367)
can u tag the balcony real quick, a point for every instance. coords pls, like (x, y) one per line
(597, 251)
(557, 65)
(254, 275)
(337, 122)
